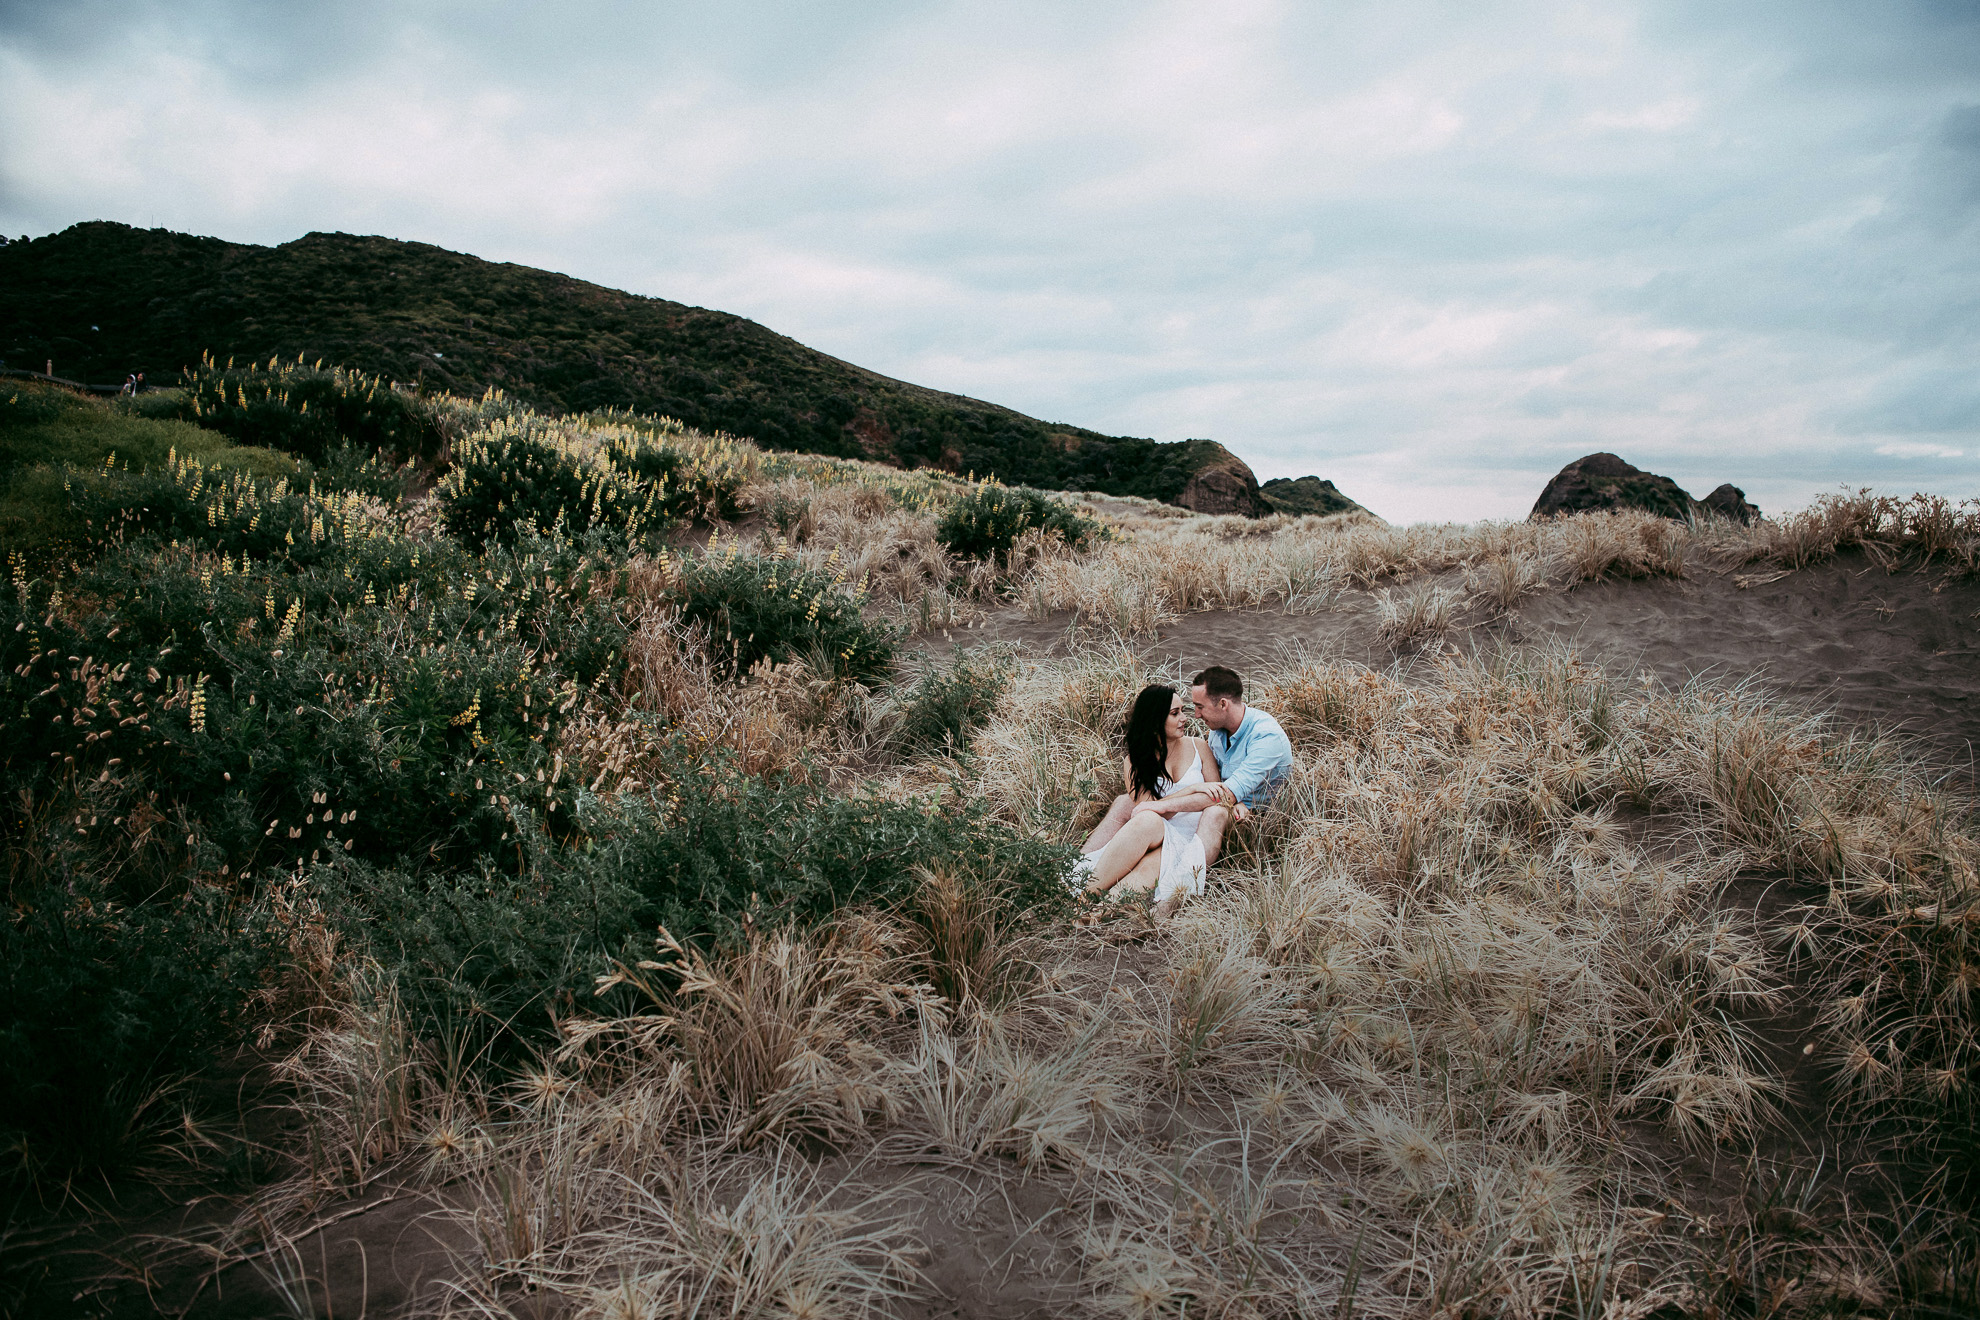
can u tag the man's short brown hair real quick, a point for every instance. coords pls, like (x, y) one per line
(1219, 682)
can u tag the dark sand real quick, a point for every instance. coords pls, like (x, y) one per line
(1894, 651)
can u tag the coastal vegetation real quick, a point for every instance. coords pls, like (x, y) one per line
(560, 820)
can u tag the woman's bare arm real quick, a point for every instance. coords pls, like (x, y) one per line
(1197, 797)
(1211, 793)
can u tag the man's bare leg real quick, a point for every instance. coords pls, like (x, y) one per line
(1103, 833)
(1210, 828)
(1147, 873)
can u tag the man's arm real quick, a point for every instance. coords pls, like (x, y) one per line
(1267, 757)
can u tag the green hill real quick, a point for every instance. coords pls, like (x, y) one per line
(102, 299)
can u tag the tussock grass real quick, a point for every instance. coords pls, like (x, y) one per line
(1161, 567)
(1388, 1066)
(1914, 530)
(1413, 617)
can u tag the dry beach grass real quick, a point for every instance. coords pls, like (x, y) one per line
(1398, 1063)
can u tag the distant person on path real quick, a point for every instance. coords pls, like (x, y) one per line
(1253, 758)
(130, 384)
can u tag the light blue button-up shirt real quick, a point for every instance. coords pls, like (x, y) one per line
(1255, 760)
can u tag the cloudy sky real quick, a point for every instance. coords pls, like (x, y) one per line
(1430, 250)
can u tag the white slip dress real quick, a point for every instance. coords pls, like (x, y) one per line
(1183, 861)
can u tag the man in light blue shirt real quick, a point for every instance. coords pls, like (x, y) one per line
(1253, 754)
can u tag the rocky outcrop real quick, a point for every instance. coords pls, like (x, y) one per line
(1221, 483)
(1729, 501)
(1604, 481)
(1303, 495)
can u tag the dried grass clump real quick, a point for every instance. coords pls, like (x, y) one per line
(984, 1093)
(1917, 530)
(1501, 581)
(562, 1216)
(959, 936)
(772, 1039)
(1160, 570)
(1053, 771)
(1407, 619)
(673, 694)
(368, 1092)
(1595, 546)
(1900, 855)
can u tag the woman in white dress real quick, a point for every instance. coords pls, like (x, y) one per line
(1165, 770)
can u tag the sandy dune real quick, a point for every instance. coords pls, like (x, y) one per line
(1891, 650)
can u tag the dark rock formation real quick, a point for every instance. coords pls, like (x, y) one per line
(1221, 483)
(1603, 481)
(1729, 501)
(1302, 495)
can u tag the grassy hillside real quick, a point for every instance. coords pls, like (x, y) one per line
(103, 299)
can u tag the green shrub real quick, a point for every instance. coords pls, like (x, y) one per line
(499, 949)
(353, 471)
(693, 477)
(211, 507)
(514, 480)
(760, 607)
(787, 851)
(531, 485)
(381, 703)
(946, 705)
(308, 411)
(986, 520)
(481, 955)
(106, 997)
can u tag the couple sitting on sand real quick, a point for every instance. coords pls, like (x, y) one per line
(1165, 831)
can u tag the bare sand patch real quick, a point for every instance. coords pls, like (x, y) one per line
(1897, 651)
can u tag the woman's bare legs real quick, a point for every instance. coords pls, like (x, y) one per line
(1210, 828)
(1125, 851)
(1104, 832)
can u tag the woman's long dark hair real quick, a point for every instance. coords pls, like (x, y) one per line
(1147, 739)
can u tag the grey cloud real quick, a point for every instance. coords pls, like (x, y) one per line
(1950, 170)
(1476, 240)
(261, 46)
(1921, 398)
